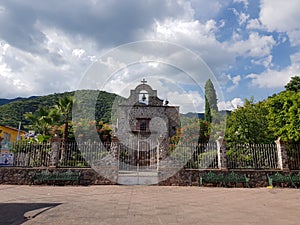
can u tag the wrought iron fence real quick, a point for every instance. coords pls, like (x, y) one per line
(81, 154)
(27, 154)
(293, 154)
(252, 156)
(199, 156)
(195, 156)
(76, 154)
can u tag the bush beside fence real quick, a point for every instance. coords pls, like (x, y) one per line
(252, 156)
(293, 154)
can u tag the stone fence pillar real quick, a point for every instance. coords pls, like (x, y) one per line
(221, 151)
(282, 158)
(55, 149)
(114, 147)
(162, 147)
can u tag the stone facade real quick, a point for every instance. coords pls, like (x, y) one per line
(143, 119)
(162, 119)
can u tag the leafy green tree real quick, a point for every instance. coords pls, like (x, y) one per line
(294, 84)
(193, 131)
(249, 124)
(218, 127)
(283, 117)
(84, 127)
(204, 131)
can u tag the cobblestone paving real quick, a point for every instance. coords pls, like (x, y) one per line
(147, 205)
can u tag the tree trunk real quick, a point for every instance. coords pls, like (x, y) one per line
(64, 143)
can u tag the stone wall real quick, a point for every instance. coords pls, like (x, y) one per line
(23, 176)
(190, 177)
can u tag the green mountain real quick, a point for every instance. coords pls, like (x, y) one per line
(13, 111)
(4, 101)
(201, 115)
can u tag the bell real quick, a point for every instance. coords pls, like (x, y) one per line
(144, 97)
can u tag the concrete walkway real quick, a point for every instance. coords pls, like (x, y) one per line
(147, 205)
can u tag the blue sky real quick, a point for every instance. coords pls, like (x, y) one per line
(252, 47)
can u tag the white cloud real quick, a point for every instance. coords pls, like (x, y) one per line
(78, 52)
(245, 2)
(278, 16)
(255, 46)
(25, 74)
(295, 58)
(271, 78)
(230, 105)
(294, 37)
(266, 61)
(205, 10)
(276, 78)
(236, 102)
(200, 37)
(10, 82)
(190, 101)
(235, 81)
(184, 31)
(241, 16)
(282, 16)
(255, 24)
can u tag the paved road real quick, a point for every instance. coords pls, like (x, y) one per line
(147, 205)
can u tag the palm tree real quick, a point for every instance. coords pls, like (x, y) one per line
(42, 119)
(64, 107)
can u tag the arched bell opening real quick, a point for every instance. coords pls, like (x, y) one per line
(144, 97)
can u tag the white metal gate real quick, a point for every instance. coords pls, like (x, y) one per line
(138, 163)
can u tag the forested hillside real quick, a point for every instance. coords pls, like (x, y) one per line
(13, 112)
(4, 101)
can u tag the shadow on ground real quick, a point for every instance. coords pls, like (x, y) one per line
(17, 213)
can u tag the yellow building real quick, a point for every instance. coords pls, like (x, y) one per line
(10, 134)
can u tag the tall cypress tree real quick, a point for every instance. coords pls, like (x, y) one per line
(207, 113)
(211, 96)
(210, 100)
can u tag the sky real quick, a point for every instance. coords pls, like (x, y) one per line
(248, 48)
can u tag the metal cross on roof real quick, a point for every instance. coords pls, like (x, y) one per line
(144, 81)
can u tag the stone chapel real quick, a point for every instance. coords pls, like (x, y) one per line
(143, 119)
